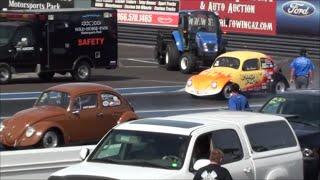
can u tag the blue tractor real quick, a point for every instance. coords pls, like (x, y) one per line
(196, 42)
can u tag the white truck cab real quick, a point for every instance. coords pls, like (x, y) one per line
(255, 146)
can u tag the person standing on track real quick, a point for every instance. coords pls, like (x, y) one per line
(302, 71)
(237, 101)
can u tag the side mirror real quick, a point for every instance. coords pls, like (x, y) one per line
(84, 152)
(200, 163)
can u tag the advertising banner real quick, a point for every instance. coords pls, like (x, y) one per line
(37, 4)
(298, 17)
(246, 16)
(143, 5)
(148, 18)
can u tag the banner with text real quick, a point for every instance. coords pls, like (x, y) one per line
(246, 16)
(37, 4)
(144, 12)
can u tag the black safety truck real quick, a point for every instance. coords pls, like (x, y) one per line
(57, 41)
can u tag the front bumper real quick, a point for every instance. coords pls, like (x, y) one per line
(19, 142)
(205, 92)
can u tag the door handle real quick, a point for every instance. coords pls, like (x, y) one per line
(247, 170)
(100, 115)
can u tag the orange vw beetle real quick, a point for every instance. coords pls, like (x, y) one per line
(252, 71)
(68, 113)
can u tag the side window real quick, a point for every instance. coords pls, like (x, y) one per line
(88, 101)
(266, 63)
(23, 32)
(229, 143)
(201, 149)
(262, 140)
(251, 65)
(110, 100)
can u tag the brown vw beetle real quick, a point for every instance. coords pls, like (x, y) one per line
(65, 114)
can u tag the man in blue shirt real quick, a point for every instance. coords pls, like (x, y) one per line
(302, 71)
(237, 101)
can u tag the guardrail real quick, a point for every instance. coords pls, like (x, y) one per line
(37, 163)
(279, 45)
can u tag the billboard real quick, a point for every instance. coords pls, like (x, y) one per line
(298, 17)
(246, 16)
(37, 4)
(144, 12)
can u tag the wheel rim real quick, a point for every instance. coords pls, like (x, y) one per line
(83, 72)
(167, 58)
(227, 92)
(184, 63)
(50, 139)
(4, 74)
(280, 87)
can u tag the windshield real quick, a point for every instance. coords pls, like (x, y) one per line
(203, 22)
(54, 98)
(230, 62)
(147, 149)
(6, 33)
(305, 108)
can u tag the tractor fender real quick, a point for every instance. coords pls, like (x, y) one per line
(127, 116)
(178, 40)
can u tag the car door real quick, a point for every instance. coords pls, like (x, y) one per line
(86, 117)
(251, 75)
(111, 111)
(236, 158)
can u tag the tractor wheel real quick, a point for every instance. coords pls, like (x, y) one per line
(158, 57)
(188, 63)
(46, 76)
(5, 74)
(171, 57)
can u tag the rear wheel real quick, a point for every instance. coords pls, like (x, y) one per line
(188, 63)
(46, 76)
(171, 57)
(50, 139)
(82, 71)
(5, 74)
(279, 87)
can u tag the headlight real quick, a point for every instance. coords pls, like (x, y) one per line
(215, 47)
(189, 83)
(1, 127)
(213, 84)
(30, 131)
(205, 45)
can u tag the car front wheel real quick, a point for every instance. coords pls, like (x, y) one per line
(226, 91)
(50, 139)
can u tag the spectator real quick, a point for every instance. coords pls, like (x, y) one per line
(213, 170)
(302, 70)
(237, 101)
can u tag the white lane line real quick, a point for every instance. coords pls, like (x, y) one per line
(159, 81)
(143, 61)
(139, 66)
(191, 109)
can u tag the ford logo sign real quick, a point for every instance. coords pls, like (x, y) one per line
(298, 8)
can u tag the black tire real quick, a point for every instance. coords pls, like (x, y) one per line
(51, 139)
(157, 56)
(171, 57)
(278, 86)
(46, 76)
(226, 91)
(82, 71)
(5, 74)
(188, 63)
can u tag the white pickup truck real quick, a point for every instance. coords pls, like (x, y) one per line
(256, 146)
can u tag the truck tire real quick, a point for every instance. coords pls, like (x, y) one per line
(46, 76)
(5, 74)
(82, 71)
(171, 57)
(188, 63)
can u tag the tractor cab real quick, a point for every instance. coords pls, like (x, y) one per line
(197, 41)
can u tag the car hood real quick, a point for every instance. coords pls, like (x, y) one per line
(205, 78)
(308, 135)
(90, 170)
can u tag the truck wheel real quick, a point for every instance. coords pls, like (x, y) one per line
(171, 57)
(188, 63)
(226, 91)
(46, 76)
(5, 74)
(82, 71)
(50, 139)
